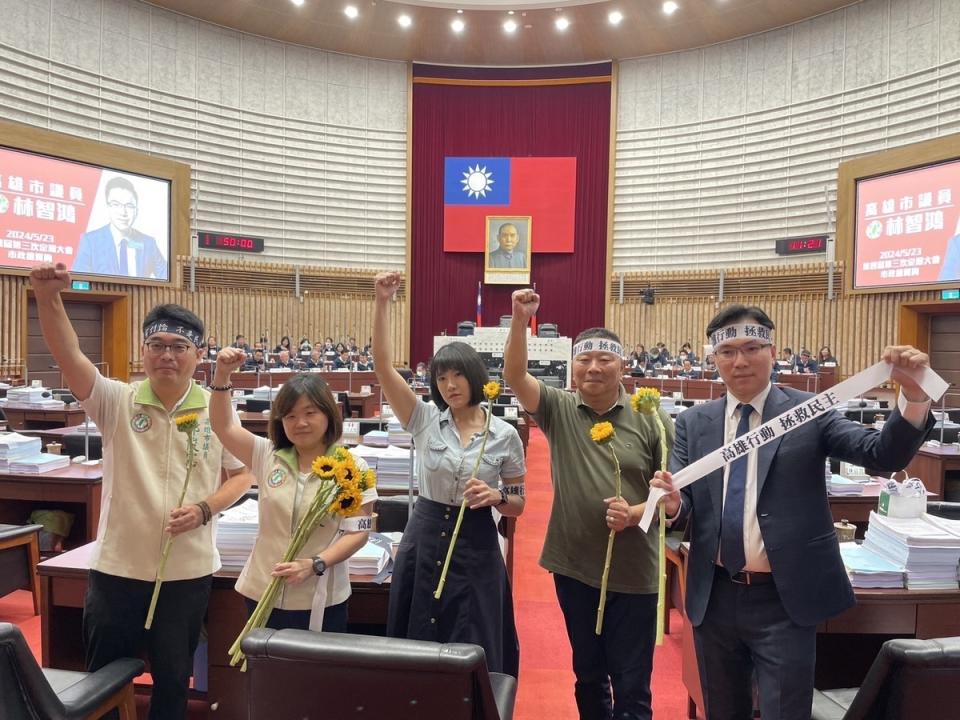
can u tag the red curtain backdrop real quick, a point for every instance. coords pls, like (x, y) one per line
(507, 121)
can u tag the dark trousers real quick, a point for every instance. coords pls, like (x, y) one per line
(746, 629)
(334, 617)
(114, 611)
(620, 658)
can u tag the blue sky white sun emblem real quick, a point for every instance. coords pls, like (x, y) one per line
(477, 181)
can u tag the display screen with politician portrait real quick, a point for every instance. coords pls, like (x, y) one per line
(95, 220)
(907, 229)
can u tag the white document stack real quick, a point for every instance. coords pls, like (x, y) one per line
(265, 392)
(236, 533)
(867, 569)
(368, 560)
(39, 463)
(392, 465)
(927, 547)
(397, 435)
(840, 486)
(376, 438)
(14, 446)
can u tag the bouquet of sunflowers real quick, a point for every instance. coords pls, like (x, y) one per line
(340, 494)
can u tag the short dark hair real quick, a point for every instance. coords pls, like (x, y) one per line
(176, 313)
(733, 313)
(598, 332)
(316, 390)
(120, 183)
(464, 359)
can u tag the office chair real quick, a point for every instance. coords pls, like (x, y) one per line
(75, 444)
(548, 330)
(948, 510)
(908, 679)
(294, 673)
(28, 692)
(257, 405)
(505, 320)
(465, 327)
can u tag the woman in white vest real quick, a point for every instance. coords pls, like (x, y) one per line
(304, 423)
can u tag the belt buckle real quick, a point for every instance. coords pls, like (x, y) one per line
(741, 578)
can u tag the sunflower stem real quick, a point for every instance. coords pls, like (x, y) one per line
(609, 557)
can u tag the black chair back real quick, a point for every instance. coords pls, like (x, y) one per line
(25, 693)
(948, 510)
(75, 444)
(257, 405)
(292, 673)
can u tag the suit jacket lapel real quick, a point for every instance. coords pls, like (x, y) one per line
(713, 439)
(777, 402)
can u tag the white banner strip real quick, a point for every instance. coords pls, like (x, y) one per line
(357, 523)
(838, 395)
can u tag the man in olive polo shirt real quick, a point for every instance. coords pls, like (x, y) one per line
(144, 467)
(620, 659)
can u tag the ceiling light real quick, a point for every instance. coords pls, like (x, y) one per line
(459, 12)
(562, 23)
(510, 26)
(670, 7)
(457, 25)
(615, 17)
(351, 12)
(298, 3)
(405, 21)
(509, 12)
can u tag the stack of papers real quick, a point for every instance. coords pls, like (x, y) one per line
(39, 463)
(867, 569)
(927, 547)
(841, 486)
(368, 560)
(377, 438)
(14, 446)
(265, 392)
(28, 394)
(392, 464)
(397, 435)
(236, 533)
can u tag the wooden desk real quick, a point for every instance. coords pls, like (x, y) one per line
(75, 488)
(931, 464)
(338, 381)
(63, 584)
(848, 643)
(363, 405)
(688, 388)
(24, 417)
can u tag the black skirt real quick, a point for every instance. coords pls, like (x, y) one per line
(476, 605)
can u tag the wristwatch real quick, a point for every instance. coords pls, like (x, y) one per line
(319, 565)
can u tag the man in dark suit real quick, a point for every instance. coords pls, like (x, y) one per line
(117, 248)
(764, 566)
(507, 255)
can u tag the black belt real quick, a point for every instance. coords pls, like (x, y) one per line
(747, 577)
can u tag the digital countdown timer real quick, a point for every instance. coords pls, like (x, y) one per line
(802, 245)
(234, 243)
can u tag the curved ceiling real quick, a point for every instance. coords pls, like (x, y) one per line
(644, 30)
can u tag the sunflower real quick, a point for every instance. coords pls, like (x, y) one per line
(324, 466)
(645, 400)
(347, 472)
(347, 502)
(187, 423)
(601, 432)
(368, 479)
(491, 390)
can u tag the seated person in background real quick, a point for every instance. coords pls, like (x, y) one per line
(665, 356)
(284, 345)
(343, 362)
(709, 367)
(688, 349)
(316, 359)
(807, 364)
(305, 345)
(687, 370)
(826, 356)
(241, 342)
(364, 363)
(421, 375)
(256, 362)
(211, 349)
(787, 359)
(284, 361)
(328, 345)
(638, 358)
(654, 360)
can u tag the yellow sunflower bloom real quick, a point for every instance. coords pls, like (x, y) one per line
(601, 432)
(188, 422)
(324, 466)
(347, 473)
(348, 502)
(368, 479)
(491, 390)
(645, 400)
